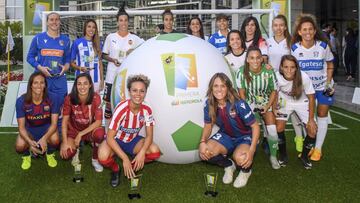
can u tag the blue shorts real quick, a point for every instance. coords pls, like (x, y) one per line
(38, 132)
(230, 143)
(128, 148)
(322, 99)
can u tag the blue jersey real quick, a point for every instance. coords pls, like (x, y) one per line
(50, 52)
(233, 120)
(219, 41)
(37, 116)
(83, 53)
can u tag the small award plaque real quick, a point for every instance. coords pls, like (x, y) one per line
(135, 185)
(210, 184)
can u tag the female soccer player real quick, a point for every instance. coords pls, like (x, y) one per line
(195, 27)
(123, 137)
(218, 39)
(37, 113)
(86, 55)
(238, 133)
(278, 46)
(168, 19)
(116, 48)
(50, 54)
(82, 118)
(315, 58)
(257, 86)
(250, 29)
(295, 95)
(236, 50)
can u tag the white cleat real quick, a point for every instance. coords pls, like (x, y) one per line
(97, 166)
(229, 173)
(274, 162)
(242, 179)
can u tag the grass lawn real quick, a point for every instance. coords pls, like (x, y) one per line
(336, 178)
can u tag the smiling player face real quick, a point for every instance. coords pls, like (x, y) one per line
(219, 90)
(137, 92)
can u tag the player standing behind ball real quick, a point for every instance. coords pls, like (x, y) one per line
(50, 54)
(82, 120)
(168, 20)
(315, 59)
(236, 50)
(218, 39)
(86, 55)
(278, 46)
(123, 137)
(116, 48)
(37, 113)
(257, 86)
(295, 97)
(238, 133)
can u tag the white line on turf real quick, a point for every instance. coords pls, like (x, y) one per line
(347, 116)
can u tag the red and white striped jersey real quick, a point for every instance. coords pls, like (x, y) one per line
(127, 124)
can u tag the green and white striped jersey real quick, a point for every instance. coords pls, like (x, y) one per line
(259, 89)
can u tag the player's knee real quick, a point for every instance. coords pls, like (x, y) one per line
(98, 135)
(20, 148)
(152, 156)
(154, 148)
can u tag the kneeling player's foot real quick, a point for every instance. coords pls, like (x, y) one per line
(283, 160)
(274, 162)
(299, 143)
(316, 155)
(229, 173)
(97, 166)
(51, 160)
(115, 178)
(306, 162)
(26, 162)
(242, 179)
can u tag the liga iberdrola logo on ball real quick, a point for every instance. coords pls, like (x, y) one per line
(180, 67)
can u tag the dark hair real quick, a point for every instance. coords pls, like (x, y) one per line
(306, 18)
(138, 78)
(167, 11)
(160, 26)
(286, 32)
(52, 13)
(95, 39)
(189, 31)
(257, 35)
(232, 96)
(222, 16)
(247, 65)
(74, 94)
(297, 87)
(228, 48)
(28, 94)
(122, 12)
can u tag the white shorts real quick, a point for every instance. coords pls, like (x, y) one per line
(300, 108)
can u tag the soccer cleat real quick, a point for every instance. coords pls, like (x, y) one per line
(229, 173)
(316, 155)
(306, 162)
(26, 163)
(299, 143)
(242, 179)
(283, 160)
(274, 162)
(97, 166)
(51, 160)
(115, 178)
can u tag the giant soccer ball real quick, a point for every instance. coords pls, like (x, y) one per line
(180, 67)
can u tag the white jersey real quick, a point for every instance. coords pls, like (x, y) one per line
(285, 86)
(275, 51)
(313, 62)
(236, 61)
(116, 47)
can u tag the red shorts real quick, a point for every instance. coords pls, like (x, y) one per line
(72, 133)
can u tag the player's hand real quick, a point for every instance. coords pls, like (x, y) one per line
(265, 109)
(64, 150)
(45, 70)
(204, 152)
(311, 126)
(268, 66)
(117, 63)
(43, 144)
(64, 68)
(83, 69)
(128, 170)
(138, 161)
(249, 155)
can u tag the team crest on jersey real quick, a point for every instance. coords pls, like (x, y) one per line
(45, 40)
(242, 105)
(61, 42)
(130, 42)
(301, 55)
(316, 53)
(232, 113)
(141, 119)
(46, 108)
(168, 60)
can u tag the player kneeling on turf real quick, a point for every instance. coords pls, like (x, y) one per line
(37, 114)
(82, 117)
(238, 135)
(295, 95)
(123, 134)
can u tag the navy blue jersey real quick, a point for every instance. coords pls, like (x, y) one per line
(219, 41)
(233, 120)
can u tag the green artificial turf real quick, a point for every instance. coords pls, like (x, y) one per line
(336, 178)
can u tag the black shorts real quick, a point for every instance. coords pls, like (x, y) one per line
(107, 92)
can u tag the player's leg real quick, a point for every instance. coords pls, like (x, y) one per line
(269, 119)
(239, 155)
(22, 147)
(53, 144)
(107, 159)
(108, 111)
(299, 139)
(96, 138)
(280, 128)
(152, 152)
